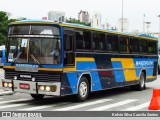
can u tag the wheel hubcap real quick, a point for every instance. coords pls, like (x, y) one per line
(83, 89)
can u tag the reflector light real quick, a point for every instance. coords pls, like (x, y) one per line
(24, 86)
(54, 88)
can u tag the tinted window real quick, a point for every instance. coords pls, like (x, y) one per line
(87, 40)
(83, 40)
(19, 29)
(68, 42)
(134, 45)
(99, 41)
(39, 29)
(112, 42)
(152, 47)
(123, 44)
(143, 46)
(35, 29)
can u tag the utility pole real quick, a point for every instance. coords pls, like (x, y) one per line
(122, 17)
(144, 23)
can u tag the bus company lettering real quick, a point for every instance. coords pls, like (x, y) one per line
(144, 63)
(27, 65)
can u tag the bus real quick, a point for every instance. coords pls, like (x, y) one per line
(2, 55)
(58, 59)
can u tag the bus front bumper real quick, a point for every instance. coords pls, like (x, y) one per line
(46, 88)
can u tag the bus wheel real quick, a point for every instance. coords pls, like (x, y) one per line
(83, 89)
(37, 96)
(141, 85)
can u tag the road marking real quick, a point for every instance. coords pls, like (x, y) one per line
(13, 105)
(43, 106)
(9, 101)
(112, 105)
(82, 105)
(138, 107)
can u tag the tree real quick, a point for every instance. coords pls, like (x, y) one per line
(4, 21)
(73, 20)
(3, 26)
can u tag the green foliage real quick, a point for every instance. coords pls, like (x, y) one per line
(4, 20)
(73, 20)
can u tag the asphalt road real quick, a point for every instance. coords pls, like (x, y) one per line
(120, 99)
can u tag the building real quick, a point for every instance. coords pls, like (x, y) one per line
(83, 16)
(125, 25)
(96, 20)
(56, 16)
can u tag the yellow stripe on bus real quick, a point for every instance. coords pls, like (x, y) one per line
(150, 77)
(50, 69)
(11, 67)
(81, 59)
(128, 63)
(78, 59)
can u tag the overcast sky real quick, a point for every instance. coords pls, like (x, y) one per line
(109, 9)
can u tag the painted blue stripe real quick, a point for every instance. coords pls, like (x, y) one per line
(119, 74)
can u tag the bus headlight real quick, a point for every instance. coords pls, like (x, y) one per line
(48, 88)
(41, 88)
(10, 85)
(5, 85)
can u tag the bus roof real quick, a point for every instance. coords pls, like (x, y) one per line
(73, 25)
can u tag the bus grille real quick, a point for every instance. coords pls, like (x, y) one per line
(27, 76)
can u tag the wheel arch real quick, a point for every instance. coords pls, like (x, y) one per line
(89, 78)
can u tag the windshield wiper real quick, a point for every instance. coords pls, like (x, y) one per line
(17, 57)
(32, 56)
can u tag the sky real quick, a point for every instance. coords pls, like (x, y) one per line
(111, 10)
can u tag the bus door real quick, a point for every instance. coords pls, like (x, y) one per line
(69, 56)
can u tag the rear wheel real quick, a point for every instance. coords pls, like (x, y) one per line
(37, 96)
(83, 89)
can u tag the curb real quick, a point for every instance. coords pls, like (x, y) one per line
(6, 93)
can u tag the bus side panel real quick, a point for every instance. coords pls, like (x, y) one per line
(65, 85)
(70, 80)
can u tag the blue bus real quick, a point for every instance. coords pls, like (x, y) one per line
(59, 59)
(2, 55)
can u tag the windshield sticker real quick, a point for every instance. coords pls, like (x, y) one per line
(10, 57)
(24, 43)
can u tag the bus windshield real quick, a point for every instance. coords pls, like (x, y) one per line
(35, 50)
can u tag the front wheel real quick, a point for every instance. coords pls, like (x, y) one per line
(37, 96)
(83, 89)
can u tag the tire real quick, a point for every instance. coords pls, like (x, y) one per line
(37, 96)
(141, 86)
(83, 89)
